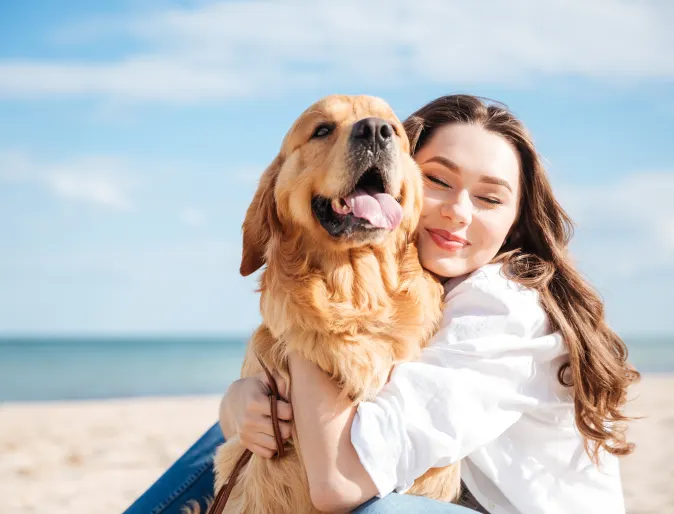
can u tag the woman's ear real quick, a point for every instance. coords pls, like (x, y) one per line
(261, 220)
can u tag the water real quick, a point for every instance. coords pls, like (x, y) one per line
(71, 369)
(43, 369)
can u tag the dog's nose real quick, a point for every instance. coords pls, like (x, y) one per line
(372, 133)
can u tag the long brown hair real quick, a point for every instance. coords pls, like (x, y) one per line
(535, 254)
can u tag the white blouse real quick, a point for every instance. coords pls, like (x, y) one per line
(486, 390)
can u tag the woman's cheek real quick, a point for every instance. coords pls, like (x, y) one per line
(432, 202)
(496, 231)
(484, 240)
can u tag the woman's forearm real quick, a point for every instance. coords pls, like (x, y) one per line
(337, 479)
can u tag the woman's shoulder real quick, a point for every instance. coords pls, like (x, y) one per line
(489, 292)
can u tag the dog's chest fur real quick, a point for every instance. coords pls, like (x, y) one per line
(355, 315)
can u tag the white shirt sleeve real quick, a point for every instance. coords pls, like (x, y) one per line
(471, 383)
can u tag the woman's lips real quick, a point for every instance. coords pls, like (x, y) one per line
(445, 240)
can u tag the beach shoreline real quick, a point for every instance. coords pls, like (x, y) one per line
(100, 455)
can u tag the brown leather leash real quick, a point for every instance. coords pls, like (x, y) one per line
(274, 396)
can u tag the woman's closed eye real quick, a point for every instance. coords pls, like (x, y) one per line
(436, 180)
(490, 200)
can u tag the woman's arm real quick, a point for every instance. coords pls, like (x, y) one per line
(337, 480)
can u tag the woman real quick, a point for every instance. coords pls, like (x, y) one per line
(524, 381)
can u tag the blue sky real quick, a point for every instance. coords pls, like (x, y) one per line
(132, 135)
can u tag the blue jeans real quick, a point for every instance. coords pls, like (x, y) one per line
(191, 478)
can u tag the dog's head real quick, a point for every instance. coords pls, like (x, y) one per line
(344, 177)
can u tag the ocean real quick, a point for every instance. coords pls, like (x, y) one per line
(59, 368)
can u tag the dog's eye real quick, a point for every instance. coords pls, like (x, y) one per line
(324, 129)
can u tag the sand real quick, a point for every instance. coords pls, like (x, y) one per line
(648, 474)
(98, 456)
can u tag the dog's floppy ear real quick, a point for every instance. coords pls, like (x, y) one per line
(261, 220)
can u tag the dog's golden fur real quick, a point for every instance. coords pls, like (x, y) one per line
(353, 306)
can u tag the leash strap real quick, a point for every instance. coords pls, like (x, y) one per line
(274, 396)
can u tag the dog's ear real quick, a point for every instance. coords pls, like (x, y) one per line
(261, 220)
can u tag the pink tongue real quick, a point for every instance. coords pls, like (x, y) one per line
(380, 209)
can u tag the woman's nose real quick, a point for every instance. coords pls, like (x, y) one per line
(459, 208)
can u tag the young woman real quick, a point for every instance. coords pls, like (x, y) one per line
(524, 382)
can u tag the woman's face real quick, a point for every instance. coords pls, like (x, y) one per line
(471, 196)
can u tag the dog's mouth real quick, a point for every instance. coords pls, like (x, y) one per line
(367, 208)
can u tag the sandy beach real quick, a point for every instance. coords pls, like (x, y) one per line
(98, 456)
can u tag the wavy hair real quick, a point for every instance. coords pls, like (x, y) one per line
(535, 254)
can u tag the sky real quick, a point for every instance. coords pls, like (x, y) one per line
(132, 136)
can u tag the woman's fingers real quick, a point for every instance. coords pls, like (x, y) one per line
(284, 410)
(247, 408)
(260, 403)
(261, 441)
(281, 384)
(260, 450)
(262, 407)
(259, 423)
(286, 430)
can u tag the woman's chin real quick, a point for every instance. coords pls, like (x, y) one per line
(447, 268)
(446, 263)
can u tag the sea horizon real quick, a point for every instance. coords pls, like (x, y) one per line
(56, 367)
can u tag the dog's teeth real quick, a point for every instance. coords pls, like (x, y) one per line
(340, 207)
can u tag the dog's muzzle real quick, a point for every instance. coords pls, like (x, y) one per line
(366, 205)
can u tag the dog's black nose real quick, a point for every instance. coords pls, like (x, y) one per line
(374, 133)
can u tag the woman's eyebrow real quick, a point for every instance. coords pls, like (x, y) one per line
(496, 181)
(443, 161)
(452, 166)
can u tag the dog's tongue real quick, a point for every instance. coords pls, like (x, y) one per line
(380, 209)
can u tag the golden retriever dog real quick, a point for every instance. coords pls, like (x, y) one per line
(333, 220)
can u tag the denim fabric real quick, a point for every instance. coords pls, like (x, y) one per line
(189, 478)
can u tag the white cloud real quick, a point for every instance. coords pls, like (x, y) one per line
(97, 189)
(103, 181)
(626, 227)
(224, 50)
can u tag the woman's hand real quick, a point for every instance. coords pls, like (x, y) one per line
(245, 411)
